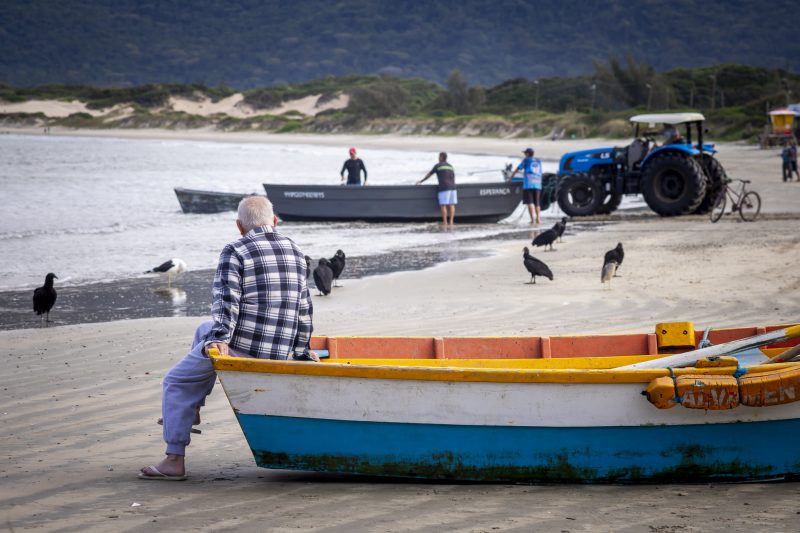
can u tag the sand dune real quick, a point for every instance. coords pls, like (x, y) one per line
(52, 108)
(232, 106)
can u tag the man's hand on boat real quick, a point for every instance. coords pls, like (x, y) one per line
(310, 356)
(220, 349)
(217, 349)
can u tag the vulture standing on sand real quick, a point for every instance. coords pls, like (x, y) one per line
(616, 255)
(44, 298)
(559, 227)
(547, 237)
(608, 271)
(170, 268)
(535, 267)
(323, 277)
(337, 265)
(308, 266)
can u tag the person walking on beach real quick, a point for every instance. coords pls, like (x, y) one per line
(354, 166)
(786, 158)
(448, 196)
(531, 184)
(260, 308)
(793, 159)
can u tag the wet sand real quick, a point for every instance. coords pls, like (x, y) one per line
(79, 402)
(190, 293)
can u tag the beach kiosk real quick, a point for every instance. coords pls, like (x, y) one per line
(782, 126)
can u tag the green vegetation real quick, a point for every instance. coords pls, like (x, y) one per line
(148, 96)
(734, 99)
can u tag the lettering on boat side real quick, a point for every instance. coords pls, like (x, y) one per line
(296, 194)
(502, 191)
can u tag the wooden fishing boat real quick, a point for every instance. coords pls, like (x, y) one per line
(477, 202)
(526, 409)
(205, 202)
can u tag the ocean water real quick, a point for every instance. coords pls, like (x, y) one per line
(103, 209)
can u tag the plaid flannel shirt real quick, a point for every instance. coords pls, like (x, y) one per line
(261, 303)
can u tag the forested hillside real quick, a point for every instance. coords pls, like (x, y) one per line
(256, 43)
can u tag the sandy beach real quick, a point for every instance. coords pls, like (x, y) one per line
(79, 402)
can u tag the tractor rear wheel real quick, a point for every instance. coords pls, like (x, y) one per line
(673, 184)
(579, 195)
(716, 177)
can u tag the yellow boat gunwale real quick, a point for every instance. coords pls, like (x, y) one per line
(565, 370)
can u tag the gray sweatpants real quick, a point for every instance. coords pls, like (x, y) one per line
(185, 389)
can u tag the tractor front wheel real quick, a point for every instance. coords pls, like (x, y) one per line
(579, 195)
(548, 194)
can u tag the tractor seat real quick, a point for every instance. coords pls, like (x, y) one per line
(636, 152)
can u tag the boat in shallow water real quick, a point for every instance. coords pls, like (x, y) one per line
(525, 409)
(206, 202)
(477, 202)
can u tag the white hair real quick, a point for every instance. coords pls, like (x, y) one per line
(254, 212)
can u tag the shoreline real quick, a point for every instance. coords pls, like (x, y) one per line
(673, 268)
(190, 294)
(434, 143)
(740, 160)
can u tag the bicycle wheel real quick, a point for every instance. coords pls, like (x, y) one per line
(718, 209)
(750, 206)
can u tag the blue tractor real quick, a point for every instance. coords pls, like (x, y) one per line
(677, 177)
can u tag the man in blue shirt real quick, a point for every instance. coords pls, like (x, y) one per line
(531, 183)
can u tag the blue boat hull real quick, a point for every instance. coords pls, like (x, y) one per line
(667, 453)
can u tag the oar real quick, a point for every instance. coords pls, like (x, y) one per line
(690, 358)
(785, 356)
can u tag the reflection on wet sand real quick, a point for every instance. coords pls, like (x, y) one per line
(174, 296)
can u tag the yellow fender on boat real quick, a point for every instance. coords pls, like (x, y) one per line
(713, 393)
(695, 392)
(775, 387)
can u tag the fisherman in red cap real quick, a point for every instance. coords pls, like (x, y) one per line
(354, 166)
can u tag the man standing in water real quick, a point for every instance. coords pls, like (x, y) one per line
(532, 183)
(260, 308)
(448, 197)
(354, 166)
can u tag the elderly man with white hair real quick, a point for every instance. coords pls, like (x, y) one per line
(261, 308)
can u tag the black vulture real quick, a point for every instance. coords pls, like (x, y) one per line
(337, 265)
(535, 267)
(170, 268)
(559, 227)
(545, 238)
(308, 266)
(608, 272)
(44, 298)
(617, 255)
(323, 277)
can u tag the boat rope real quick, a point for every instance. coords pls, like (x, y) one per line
(678, 397)
(704, 342)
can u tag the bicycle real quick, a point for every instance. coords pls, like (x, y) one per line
(747, 203)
